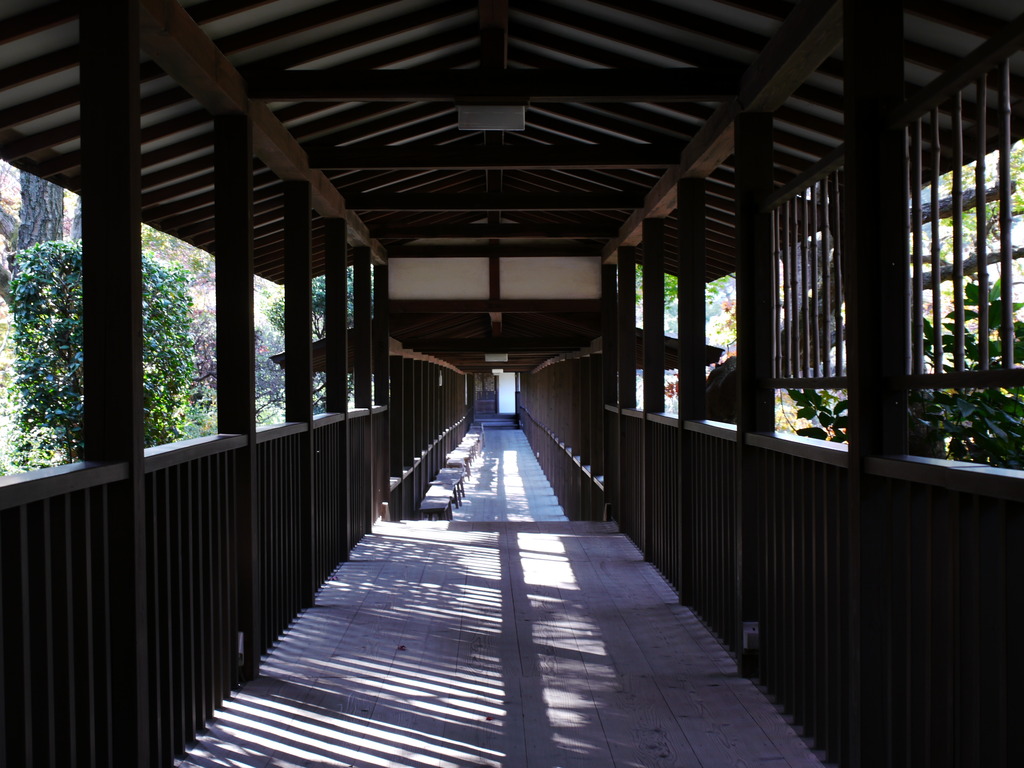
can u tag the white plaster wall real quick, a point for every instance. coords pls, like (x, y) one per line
(454, 278)
(550, 278)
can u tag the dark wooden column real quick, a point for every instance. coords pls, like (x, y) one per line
(236, 362)
(396, 423)
(605, 458)
(691, 213)
(336, 320)
(755, 408)
(654, 315)
(381, 335)
(298, 371)
(381, 387)
(627, 327)
(874, 204)
(336, 388)
(112, 355)
(363, 324)
(654, 370)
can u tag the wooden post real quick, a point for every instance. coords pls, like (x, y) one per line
(363, 308)
(876, 347)
(336, 320)
(654, 315)
(605, 459)
(654, 370)
(336, 389)
(112, 359)
(691, 213)
(236, 361)
(755, 408)
(627, 327)
(298, 371)
(381, 388)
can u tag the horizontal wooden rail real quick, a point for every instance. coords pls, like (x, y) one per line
(42, 484)
(718, 429)
(278, 431)
(164, 456)
(820, 451)
(958, 476)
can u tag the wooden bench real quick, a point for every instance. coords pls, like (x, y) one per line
(437, 504)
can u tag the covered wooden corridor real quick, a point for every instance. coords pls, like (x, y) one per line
(491, 188)
(505, 638)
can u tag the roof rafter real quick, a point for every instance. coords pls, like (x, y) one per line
(808, 36)
(171, 37)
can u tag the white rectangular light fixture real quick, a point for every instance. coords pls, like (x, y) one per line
(497, 371)
(492, 117)
(495, 357)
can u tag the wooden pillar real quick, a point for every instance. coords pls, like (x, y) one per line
(336, 320)
(627, 327)
(874, 207)
(691, 213)
(298, 370)
(381, 389)
(606, 462)
(381, 335)
(755, 407)
(654, 315)
(654, 371)
(236, 362)
(112, 359)
(336, 388)
(363, 323)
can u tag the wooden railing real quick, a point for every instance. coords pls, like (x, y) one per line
(62, 555)
(579, 492)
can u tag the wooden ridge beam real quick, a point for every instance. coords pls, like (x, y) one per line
(559, 250)
(495, 201)
(810, 33)
(501, 86)
(457, 157)
(501, 344)
(566, 230)
(485, 306)
(181, 48)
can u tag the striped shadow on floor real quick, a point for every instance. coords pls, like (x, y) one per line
(537, 643)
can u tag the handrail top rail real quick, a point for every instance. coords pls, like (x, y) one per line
(957, 476)
(38, 484)
(269, 432)
(720, 429)
(164, 456)
(812, 449)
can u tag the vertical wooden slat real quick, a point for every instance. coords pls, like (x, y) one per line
(1006, 324)
(958, 232)
(936, 245)
(981, 220)
(917, 237)
(627, 327)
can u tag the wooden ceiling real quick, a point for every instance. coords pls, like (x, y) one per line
(359, 97)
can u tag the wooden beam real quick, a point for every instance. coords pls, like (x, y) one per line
(488, 86)
(436, 251)
(170, 36)
(495, 201)
(810, 33)
(487, 231)
(530, 306)
(505, 344)
(456, 157)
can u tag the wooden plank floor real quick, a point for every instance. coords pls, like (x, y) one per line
(498, 640)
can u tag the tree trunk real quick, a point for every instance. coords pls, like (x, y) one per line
(42, 212)
(76, 220)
